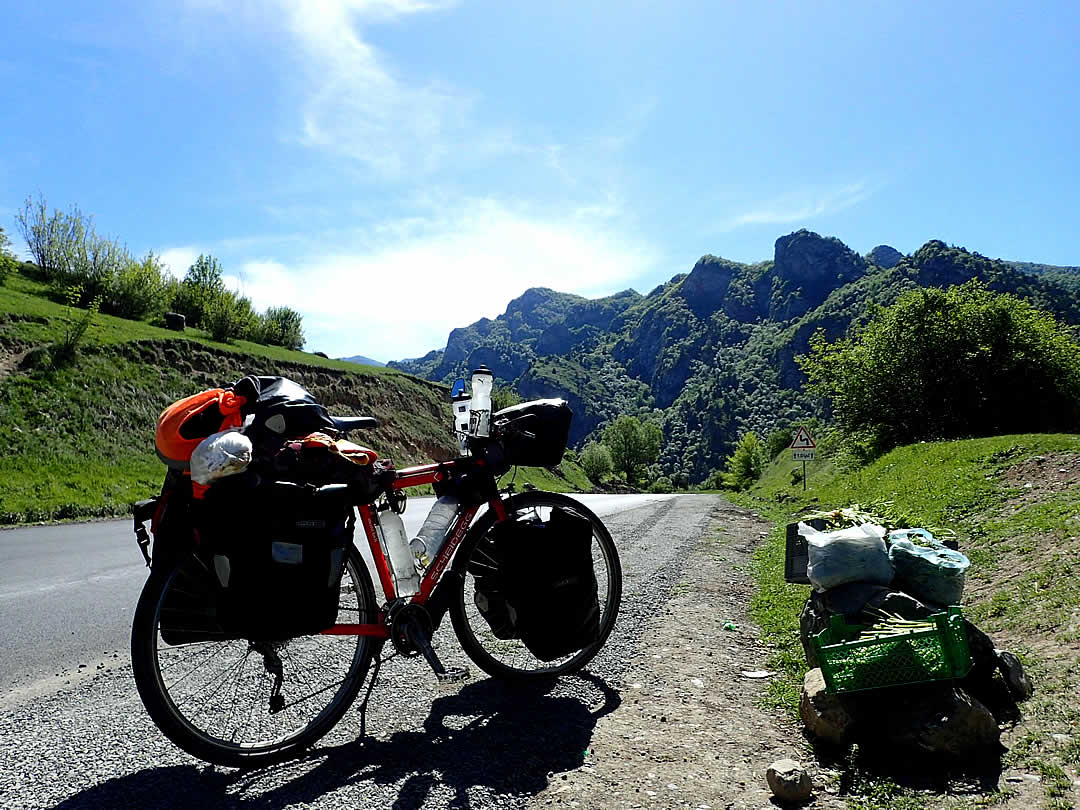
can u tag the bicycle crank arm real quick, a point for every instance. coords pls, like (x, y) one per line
(422, 642)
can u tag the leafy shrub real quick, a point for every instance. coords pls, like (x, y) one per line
(141, 289)
(778, 441)
(8, 263)
(282, 326)
(200, 290)
(715, 480)
(942, 364)
(744, 465)
(227, 318)
(63, 352)
(661, 484)
(504, 398)
(596, 461)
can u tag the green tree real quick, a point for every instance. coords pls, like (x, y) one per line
(504, 398)
(139, 290)
(8, 263)
(596, 461)
(632, 445)
(229, 317)
(744, 465)
(63, 245)
(942, 364)
(778, 441)
(282, 326)
(203, 285)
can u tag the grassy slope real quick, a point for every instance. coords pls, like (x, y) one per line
(1023, 587)
(78, 442)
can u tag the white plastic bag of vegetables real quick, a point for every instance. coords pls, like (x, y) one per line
(856, 554)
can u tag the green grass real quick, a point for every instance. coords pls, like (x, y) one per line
(79, 440)
(25, 298)
(1024, 554)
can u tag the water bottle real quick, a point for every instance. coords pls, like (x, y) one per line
(395, 545)
(480, 406)
(460, 404)
(429, 540)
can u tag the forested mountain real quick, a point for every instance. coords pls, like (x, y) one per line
(711, 353)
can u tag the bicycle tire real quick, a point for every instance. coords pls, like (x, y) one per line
(161, 692)
(508, 658)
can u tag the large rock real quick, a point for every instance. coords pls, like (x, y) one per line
(943, 721)
(825, 716)
(789, 781)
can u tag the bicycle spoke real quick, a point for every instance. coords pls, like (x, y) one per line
(218, 699)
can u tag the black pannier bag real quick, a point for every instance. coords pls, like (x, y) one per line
(546, 578)
(534, 434)
(282, 410)
(275, 553)
(488, 595)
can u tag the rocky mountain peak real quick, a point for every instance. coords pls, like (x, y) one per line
(807, 267)
(885, 256)
(707, 284)
(807, 258)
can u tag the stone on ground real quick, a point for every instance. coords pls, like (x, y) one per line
(789, 781)
(823, 714)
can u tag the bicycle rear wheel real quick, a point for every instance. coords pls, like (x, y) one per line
(214, 697)
(509, 658)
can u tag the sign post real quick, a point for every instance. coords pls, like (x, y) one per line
(803, 449)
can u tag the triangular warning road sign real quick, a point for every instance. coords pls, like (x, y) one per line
(802, 440)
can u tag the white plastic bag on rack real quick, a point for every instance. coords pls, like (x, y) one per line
(220, 455)
(857, 554)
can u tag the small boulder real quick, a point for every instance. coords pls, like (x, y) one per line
(823, 714)
(1020, 685)
(789, 781)
(946, 722)
(175, 321)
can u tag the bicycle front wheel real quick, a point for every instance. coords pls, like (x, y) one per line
(510, 658)
(235, 702)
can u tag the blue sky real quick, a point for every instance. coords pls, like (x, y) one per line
(394, 168)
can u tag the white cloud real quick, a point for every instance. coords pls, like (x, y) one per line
(355, 101)
(402, 299)
(799, 206)
(179, 259)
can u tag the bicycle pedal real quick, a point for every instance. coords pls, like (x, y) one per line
(453, 675)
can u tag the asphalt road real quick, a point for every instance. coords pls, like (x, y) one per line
(83, 740)
(67, 593)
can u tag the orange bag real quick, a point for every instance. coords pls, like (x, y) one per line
(188, 421)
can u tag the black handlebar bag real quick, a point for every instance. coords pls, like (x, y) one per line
(547, 579)
(276, 552)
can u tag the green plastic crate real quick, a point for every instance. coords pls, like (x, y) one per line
(852, 665)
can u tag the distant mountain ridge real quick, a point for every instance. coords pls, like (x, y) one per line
(711, 353)
(364, 361)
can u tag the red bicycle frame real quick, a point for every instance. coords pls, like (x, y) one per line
(412, 477)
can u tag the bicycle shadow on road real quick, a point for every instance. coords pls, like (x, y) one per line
(491, 743)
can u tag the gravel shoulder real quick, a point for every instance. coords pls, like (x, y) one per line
(689, 731)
